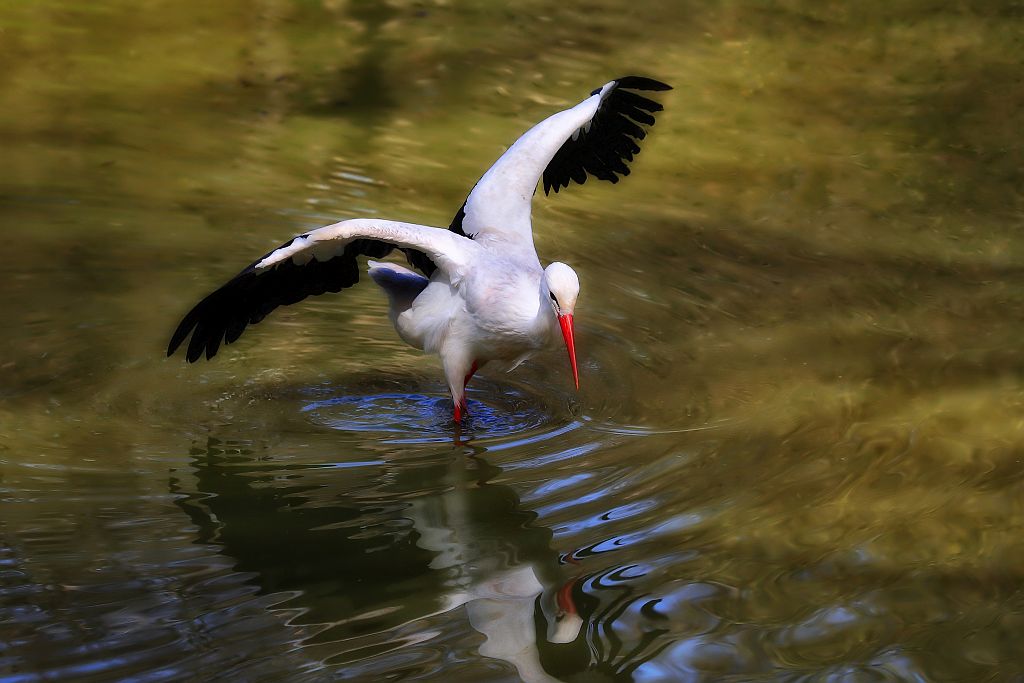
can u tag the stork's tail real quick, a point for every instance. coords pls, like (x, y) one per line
(401, 284)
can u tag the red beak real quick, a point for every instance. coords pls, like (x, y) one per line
(566, 322)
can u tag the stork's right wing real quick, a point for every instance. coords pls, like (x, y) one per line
(597, 137)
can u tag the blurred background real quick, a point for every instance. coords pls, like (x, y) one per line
(797, 449)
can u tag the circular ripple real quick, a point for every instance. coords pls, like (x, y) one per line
(423, 414)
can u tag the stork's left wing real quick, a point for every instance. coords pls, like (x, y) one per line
(598, 137)
(320, 261)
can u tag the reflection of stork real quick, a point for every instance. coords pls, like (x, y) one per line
(482, 295)
(501, 600)
(389, 548)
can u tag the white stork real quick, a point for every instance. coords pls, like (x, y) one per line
(483, 295)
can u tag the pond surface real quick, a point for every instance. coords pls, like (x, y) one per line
(798, 448)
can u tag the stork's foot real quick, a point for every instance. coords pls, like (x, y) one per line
(461, 410)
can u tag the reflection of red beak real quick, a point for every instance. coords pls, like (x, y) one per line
(566, 322)
(563, 598)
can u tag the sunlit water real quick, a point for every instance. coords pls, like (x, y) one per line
(797, 451)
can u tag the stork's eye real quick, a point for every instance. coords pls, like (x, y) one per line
(551, 294)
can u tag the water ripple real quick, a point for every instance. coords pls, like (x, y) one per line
(497, 415)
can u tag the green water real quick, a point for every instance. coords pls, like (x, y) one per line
(798, 448)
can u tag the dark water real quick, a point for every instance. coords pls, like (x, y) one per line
(797, 451)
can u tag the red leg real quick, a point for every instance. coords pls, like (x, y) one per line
(472, 371)
(461, 409)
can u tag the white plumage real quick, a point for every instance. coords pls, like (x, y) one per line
(483, 295)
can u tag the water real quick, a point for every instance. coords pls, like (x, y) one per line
(796, 453)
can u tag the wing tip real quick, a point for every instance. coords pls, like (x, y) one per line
(196, 349)
(204, 337)
(179, 336)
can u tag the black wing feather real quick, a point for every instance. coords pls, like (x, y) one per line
(611, 143)
(642, 83)
(638, 101)
(252, 294)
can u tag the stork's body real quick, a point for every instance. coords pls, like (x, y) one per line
(483, 295)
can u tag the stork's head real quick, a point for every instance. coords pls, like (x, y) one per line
(562, 287)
